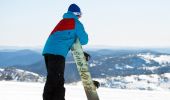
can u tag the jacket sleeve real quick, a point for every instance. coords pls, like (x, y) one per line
(81, 34)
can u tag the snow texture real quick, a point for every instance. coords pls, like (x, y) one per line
(161, 59)
(33, 91)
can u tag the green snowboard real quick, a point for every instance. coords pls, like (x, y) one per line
(82, 67)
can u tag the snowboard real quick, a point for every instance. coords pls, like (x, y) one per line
(83, 70)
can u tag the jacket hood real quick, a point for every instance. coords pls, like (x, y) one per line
(70, 15)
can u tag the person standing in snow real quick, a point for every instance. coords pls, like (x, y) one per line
(56, 48)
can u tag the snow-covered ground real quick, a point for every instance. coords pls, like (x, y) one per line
(33, 91)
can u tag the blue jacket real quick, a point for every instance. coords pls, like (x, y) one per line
(64, 35)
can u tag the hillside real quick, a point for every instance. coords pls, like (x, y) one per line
(126, 69)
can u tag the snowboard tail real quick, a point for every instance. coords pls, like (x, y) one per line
(83, 70)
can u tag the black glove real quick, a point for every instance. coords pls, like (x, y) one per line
(87, 56)
(96, 83)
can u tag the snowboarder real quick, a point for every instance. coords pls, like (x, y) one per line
(56, 48)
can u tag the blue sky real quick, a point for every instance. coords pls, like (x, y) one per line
(116, 23)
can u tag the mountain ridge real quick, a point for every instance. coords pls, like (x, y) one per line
(104, 62)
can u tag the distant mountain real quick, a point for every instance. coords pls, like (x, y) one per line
(104, 62)
(23, 59)
(125, 63)
(142, 69)
(19, 57)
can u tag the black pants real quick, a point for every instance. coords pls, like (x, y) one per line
(54, 86)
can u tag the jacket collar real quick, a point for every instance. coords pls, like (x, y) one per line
(70, 15)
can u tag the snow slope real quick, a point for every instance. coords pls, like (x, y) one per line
(33, 91)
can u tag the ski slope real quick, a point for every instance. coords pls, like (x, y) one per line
(33, 91)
